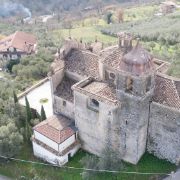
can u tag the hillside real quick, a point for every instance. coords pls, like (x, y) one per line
(49, 6)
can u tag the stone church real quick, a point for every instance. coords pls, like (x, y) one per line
(119, 97)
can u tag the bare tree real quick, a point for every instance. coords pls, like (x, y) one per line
(120, 15)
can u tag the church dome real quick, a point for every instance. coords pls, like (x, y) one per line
(138, 61)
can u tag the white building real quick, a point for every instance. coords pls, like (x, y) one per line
(17, 45)
(55, 140)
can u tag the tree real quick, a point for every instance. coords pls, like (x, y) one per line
(120, 15)
(108, 17)
(15, 97)
(28, 110)
(152, 45)
(10, 139)
(43, 114)
(28, 121)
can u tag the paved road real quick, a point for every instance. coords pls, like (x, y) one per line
(4, 178)
(175, 176)
(34, 97)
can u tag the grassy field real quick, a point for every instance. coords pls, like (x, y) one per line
(87, 34)
(22, 170)
(140, 12)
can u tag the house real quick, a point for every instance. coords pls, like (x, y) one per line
(167, 7)
(55, 140)
(17, 45)
(120, 99)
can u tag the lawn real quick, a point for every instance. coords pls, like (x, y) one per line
(87, 34)
(24, 170)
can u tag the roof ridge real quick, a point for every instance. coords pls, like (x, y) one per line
(14, 37)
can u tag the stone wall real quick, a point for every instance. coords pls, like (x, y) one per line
(164, 132)
(134, 115)
(56, 79)
(64, 107)
(94, 125)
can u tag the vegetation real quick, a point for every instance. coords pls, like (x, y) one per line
(43, 100)
(16, 122)
(32, 68)
(11, 118)
(17, 170)
(163, 42)
(43, 114)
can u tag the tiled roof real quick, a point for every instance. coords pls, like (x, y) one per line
(19, 40)
(167, 91)
(103, 91)
(56, 128)
(114, 58)
(82, 63)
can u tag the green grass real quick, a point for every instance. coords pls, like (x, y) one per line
(88, 34)
(140, 12)
(148, 163)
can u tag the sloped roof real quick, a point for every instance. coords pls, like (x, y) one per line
(57, 128)
(83, 63)
(19, 40)
(167, 91)
(113, 58)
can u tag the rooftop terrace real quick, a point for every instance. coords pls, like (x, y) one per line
(103, 91)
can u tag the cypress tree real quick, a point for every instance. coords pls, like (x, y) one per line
(28, 111)
(43, 114)
(15, 97)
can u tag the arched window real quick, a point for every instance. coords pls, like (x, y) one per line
(112, 75)
(129, 84)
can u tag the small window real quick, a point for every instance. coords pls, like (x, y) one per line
(129, 84)
(93, 104)
(148, 85)
(64, 103)
(111, 75)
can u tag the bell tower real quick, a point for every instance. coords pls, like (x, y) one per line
(134, 88)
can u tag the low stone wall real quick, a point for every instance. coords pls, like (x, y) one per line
(164, 132)
(33, 87)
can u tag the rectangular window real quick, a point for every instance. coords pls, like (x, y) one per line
(64, 103)
(129, 84)
(93, 104)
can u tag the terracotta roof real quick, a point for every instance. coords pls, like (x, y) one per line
(103, 91)
(56, 128)
(167, 91)
(20, 40)
(113, 58)
(83, 63)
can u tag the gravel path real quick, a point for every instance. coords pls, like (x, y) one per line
(34, 97)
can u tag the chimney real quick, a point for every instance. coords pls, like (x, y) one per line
(125, 41)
